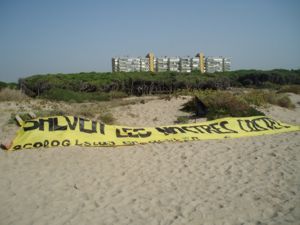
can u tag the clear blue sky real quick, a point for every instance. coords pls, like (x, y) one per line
(38, 37)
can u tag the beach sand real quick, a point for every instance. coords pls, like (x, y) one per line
(252, 180)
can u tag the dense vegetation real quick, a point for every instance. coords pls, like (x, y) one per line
(209, 89)
(104, 86)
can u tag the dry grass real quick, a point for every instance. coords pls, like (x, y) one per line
(132, 115)
(290, 88)
(85, 110)
(106, 118)
(8, 94)
(155, 119)
(264, 97)
(94, 111)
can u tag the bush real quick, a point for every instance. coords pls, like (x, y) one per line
(285, 101)
(263, 97)
(72, 96)
(222, 104)
(182, 119)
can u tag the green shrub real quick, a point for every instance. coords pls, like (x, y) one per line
(117, 94)
(72, 96)
(222, 104)
(263, 97)
(182, 119)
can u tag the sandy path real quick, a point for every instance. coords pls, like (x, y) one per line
(156, 112)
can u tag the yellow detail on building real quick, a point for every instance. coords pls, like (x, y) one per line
(150, 56)
(201, 62)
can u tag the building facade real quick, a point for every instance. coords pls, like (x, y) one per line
(161, 64)
(226, 64)
(217, 64)
(173, 64)
(185, 65)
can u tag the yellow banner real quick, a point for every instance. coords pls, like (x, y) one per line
(63, 131)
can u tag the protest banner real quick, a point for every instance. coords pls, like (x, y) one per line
(63, 131)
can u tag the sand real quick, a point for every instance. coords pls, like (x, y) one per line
(251, 180)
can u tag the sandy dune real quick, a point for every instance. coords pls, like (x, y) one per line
(238, 181)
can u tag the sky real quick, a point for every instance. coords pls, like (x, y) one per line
(70, 36)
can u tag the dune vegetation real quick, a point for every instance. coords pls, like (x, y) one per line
(105, 86)
(223, 94)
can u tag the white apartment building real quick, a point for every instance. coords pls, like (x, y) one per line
(162, 64)
(127, 64)
(135, 64)
(175, 64)
(226, 64)
(115, 64)
(217, 64)
(144, 64)
(185, 65)
(195, 61)
(124, 64)
(214, 64)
